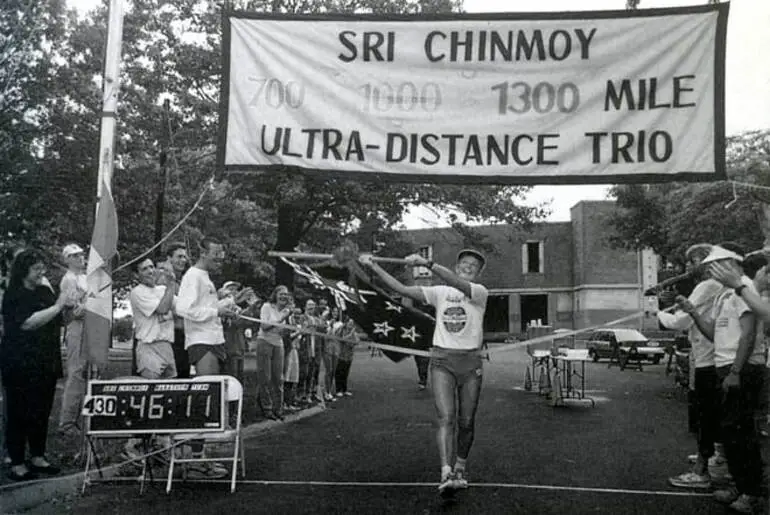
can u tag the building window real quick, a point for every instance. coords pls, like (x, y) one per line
(532, 257)
(425, 252)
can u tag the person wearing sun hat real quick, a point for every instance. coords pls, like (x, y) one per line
(456, 363)
(704, 383)
(75, 286)
(739, 363)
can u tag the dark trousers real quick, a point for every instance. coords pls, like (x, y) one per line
(308, 375)
(28, 402)
(708, 393)
(304, 366)
(739, 433)
(692, 411)
(422, 369)
(289, 393)
(234, 367)
(341, 375)
(181, 360)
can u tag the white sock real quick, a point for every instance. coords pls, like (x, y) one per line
(445, 471)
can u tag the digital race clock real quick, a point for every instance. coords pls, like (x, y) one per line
(143, 406)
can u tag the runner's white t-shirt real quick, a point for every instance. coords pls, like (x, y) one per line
(459, 319)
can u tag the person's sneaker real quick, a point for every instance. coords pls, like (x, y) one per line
(339, 394)
(348, 394)
(206, 471)
(217, 469)
(421, 386)
(745, 504)
(446, 487)
(460, 480)
(691, 480)
(7, 461)
(726, 495)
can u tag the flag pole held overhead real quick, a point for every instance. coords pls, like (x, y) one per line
(310, 255)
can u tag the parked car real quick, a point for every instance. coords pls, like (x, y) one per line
(603, 342)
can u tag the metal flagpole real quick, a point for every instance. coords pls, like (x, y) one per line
(110, 89)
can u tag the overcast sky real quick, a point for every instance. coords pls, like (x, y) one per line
(747, 82)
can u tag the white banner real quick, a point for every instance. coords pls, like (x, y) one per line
(582, 97)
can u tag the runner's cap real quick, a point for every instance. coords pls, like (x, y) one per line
(475, 253)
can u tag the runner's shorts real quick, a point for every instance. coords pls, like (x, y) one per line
(463, 365)
(155, 358)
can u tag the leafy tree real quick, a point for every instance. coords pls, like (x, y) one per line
(171, 52)
(669, 218)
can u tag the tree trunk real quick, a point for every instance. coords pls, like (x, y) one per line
(765, 226)
(286, 241)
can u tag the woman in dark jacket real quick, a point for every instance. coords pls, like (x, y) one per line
(30, 357)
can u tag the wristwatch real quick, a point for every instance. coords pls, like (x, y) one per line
(429, 265)
(739, 289)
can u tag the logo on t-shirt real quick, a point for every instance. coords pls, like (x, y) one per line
(455, 319)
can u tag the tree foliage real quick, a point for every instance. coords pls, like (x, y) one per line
(670, 217)
(172, 52)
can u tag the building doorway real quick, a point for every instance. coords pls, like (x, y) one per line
(496, 315)
(533, 307)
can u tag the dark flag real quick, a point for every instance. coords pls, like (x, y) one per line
(380, 316)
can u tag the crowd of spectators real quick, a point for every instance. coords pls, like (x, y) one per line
(182, 326)
(725, 316)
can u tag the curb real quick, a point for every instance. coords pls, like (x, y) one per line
(24, 496)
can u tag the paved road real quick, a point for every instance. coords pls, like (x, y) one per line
(375, 453)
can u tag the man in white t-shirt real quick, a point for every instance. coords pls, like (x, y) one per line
(201, 308)
(198, 303)
(705, 382)
(456, 363)
(739, 359)
(152, 305)
(75, 286)
(152, 301)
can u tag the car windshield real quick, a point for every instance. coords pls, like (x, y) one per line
(629, 335)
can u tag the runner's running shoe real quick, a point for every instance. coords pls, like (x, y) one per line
(461, 479)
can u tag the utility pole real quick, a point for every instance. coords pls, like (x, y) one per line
(163, 176)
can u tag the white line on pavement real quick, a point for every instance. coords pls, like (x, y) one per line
(265, 482)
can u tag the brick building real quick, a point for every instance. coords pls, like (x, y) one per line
(563, 274)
